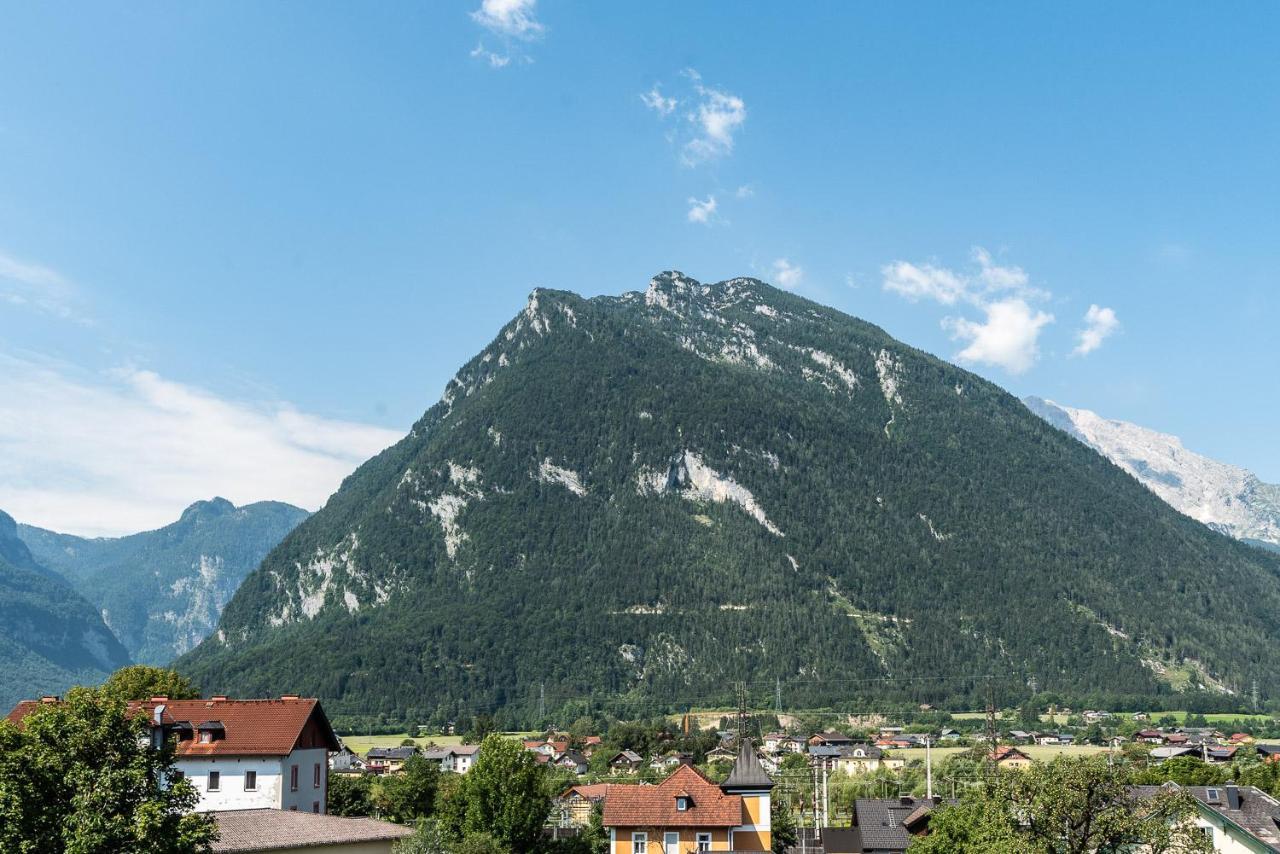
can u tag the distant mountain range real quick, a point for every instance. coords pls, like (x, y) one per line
(1227, 498)
(50, 637)
(640, 499)
(161, 592)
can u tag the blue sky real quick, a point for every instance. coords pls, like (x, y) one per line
(244, 245)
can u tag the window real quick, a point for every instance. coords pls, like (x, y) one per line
(250, 781)
(682, 804)
(315, 777)
(293, 778)
(206, 737)
(704, 841)
(215, 781)
(315, 807)
(639, 843)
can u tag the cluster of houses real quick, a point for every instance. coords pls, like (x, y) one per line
(260, 769)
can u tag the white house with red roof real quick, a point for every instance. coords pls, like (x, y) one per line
(249, 754)
(241, 754)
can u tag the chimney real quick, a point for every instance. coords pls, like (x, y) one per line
(159, 699)
(906, 801)
(1233, 796)
(158, 714)
(219, 698)
(288, 696)
(48, 700)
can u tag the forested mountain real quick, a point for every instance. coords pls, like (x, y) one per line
(1227, 498)
(655, 494)
(50, 637)
(162, 591)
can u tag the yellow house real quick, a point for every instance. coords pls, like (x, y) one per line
(1010, 757)
(688, 813)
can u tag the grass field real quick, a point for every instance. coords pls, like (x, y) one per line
(1035, 751)
(360, 744)
(1059, 720)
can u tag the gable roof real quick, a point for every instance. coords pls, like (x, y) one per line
(655, 806)
(1249, 808)
(250, 727)
(882, 822)
(246, 727)
(592, 792)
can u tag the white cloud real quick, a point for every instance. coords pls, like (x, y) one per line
(1007, 339)
(509, 18)
(102, 455)
(1099, 324)
(746, 191)
(787, 275)
(717, 118)
(702, 211)
(35, 286)
(924, 281)
(654, 100)
(1009, 336)
(495, 60)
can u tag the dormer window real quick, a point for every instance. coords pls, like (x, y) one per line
(682, 803)
(210, 731)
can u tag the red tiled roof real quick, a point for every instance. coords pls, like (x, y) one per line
(655, 806)
(249, 727)
(1003, 753)
(252, 727)
(274, 830)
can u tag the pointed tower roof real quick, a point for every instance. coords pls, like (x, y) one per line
(748, 774)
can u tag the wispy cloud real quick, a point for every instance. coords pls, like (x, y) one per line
(495, 60)
(1099, 324)
(659, 103)
(702, 211)
(512, 22)
(710, 124)
(787, 275)
(1008, 335)
(110, 454)
(34, 286)
(746, 191)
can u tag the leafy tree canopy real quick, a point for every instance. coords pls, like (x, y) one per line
(81, 777)
(142, 682)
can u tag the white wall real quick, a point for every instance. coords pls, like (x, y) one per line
(308, 794)
(273, 781)
(231, 794)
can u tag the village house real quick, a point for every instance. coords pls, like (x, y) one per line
(346, 762)
(388, 760)
(241, 754)
(686, 812)
(572, 760)
(829, 739)
(1010, 757)
(1236, 819)
(858, 759)
(457, 759)
(626, 762)
(882, 826)
(573, 806)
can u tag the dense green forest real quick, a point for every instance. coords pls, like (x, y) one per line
(50, 637)
(646, 498)
(165, 589)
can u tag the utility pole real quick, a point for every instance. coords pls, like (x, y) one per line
(542, 703)
(928, 768)
(991, 724)
(826, 803)
(1254, 696)
(777, 697)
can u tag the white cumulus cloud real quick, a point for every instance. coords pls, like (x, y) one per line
(495, 60)
(1008, 336)
(717, 118)
(100, 455)
(702, 211)
(1099, 323)
(787, 275)
(1007, 339)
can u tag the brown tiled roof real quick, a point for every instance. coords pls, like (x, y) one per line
(21, 710)
(655, 806)
(268, 830)
(591, 792)
(1003, 753)
(252, 727)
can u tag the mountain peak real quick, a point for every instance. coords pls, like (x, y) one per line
(214, 507)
